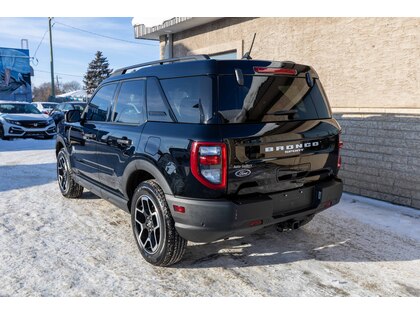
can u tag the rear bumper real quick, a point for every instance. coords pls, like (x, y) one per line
(210, 220)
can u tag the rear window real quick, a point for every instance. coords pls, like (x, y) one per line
(270, 99)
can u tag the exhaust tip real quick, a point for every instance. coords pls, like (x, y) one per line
(295, 225)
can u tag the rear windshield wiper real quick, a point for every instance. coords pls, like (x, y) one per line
(200, 107)
(284, 112)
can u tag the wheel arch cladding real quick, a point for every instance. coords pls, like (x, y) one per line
(138, 171)
(58, 146)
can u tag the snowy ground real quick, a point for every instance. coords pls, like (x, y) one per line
(51, 246)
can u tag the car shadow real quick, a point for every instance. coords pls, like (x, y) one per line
(26, 175)
(270, 247)
(87, 195)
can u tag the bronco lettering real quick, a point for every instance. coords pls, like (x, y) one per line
(292, 148)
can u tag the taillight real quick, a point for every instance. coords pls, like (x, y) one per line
(340, 145)
(275, 70)
(209, 164)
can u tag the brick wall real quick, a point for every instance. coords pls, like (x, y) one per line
(362, 62)
(370, 69)
(381, 156)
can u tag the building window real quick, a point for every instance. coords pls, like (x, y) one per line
(225, 55)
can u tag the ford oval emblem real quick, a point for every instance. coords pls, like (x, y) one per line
(243, 172)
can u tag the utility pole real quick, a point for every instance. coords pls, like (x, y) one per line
(52, 59)
(58, 83)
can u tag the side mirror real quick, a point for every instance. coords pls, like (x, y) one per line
(73, 116)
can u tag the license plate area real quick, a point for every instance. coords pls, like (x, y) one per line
(35, 133)
(293, 201)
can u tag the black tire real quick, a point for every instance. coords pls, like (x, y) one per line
(153, 226)
(2, 134)
(68, 187)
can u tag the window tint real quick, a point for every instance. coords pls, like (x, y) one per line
(190, 98)
(101, 103)
(319, 101)
(270, 99)
(68, 107)
(156, 107)
(130, 104)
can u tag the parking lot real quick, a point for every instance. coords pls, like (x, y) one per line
(52, 246)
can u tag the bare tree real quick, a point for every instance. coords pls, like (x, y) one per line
(71, 86)
(42, 92)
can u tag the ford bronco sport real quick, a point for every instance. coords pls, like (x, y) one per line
(200, 149)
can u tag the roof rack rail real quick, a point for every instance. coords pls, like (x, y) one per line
(159, 62)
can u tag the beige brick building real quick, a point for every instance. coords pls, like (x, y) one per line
(370, 69)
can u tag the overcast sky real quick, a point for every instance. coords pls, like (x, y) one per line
(74, 49)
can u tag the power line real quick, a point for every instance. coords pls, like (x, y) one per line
(39, 45)
(67, 74)
(105, 36)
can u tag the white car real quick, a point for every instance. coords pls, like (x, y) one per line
(45, 107)
(21, 119)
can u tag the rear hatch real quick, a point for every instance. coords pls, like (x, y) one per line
(279, 130)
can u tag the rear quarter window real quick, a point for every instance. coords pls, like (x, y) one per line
(156, 104)
(190, 98)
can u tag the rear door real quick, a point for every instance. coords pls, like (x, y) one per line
(280, 132)
(118, 138)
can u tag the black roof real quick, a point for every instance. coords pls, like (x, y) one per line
(164, 70)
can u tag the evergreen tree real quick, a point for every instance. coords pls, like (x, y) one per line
(97, 71)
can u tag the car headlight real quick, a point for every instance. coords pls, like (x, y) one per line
(15, 122)
(50, 121)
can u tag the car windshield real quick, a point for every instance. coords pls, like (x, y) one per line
(49, 105)
(7, 108)
(79, 107)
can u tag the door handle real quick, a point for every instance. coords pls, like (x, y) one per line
(124, 142)
(89, 136)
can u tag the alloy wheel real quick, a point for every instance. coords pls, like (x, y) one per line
(62, 173)
(148, 224)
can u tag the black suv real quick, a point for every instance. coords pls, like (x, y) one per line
(200, 149)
